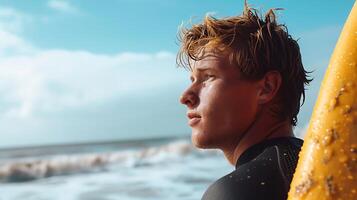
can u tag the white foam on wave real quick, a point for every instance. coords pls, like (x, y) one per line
(25, 170)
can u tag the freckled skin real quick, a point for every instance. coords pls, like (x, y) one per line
(226, 103)
(233, 114)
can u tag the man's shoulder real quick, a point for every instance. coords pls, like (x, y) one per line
(265, 177)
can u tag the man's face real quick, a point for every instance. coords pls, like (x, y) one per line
(221, 106)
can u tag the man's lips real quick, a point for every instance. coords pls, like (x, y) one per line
(194, 121)
(193, 117)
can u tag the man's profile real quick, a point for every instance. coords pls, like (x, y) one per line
(247, 83)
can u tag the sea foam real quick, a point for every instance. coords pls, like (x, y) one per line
(31, 169)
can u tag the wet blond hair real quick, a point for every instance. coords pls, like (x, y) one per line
(256, 45)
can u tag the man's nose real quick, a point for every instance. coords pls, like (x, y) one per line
(189, 98)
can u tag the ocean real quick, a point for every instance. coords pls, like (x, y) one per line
(153, 169)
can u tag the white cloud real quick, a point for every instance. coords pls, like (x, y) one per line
(12, 23)
(63, 6)
(11, 44)
(12, 20)
(38, 80)
(40, 89)
(55, 79)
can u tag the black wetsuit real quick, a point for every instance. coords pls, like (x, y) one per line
(263, 171)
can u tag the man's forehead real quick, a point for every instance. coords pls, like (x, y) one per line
(210, 61)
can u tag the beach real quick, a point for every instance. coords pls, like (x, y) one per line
(136, 170)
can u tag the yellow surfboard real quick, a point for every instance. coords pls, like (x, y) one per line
(327, 164)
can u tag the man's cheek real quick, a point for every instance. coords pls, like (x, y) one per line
(209, 90)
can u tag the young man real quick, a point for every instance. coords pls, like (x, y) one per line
(247, 83)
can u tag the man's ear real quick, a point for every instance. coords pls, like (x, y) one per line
(269, 86)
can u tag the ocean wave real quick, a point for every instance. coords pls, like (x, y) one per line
(27, 170)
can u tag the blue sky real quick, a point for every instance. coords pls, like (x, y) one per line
(85, 70)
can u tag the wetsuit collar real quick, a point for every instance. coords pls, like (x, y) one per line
(258, 148)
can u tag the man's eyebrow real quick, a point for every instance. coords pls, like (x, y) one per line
(204, 68)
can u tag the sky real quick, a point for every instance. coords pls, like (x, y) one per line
(88, 71)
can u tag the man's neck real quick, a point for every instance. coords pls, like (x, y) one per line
(258, 132)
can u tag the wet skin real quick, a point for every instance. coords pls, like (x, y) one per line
(221, 105)
(228, 112)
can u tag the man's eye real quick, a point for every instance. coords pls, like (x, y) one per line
(209, 77)
(192, 79)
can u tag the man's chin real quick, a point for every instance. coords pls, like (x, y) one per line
(201, 141)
